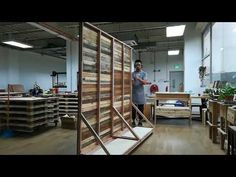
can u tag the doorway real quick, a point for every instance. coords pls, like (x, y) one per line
(176, 81)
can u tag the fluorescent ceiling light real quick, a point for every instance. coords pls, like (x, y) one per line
(173, 52)
(18, 44)
(173, 31)
(234, 30)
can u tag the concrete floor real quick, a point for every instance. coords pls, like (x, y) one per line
(52, 141)
(169, 137)
(175, 137)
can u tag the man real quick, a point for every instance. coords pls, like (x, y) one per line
(139, 79)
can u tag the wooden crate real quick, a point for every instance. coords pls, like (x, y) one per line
(68, 123)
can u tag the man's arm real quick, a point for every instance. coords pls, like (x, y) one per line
(132, 79)
(144, 81)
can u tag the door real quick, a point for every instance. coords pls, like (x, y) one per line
(176, 81)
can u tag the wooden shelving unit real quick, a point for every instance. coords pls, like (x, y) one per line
(24, 114)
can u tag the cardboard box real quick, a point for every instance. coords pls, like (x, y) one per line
(68, 123)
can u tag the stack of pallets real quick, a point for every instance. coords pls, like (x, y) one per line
(68, 104)
(24, 114)
(53, 110)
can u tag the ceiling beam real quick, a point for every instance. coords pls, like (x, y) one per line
(53, 30)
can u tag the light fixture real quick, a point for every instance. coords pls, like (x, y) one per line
(221, 49)
(173, 52)
(234, 30)
(18, 44)
(131, 42)
(174, 31)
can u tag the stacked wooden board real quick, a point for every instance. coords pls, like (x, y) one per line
(24, 114)
(68, 104)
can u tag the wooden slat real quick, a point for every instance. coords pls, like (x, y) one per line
(128, 126)
(80, 89)
(122, 124)
(112, 87)
(99, 82)
(94, 134)
(142, 115)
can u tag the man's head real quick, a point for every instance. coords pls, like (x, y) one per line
(138, 65)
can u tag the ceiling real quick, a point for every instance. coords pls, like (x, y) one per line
(149, 36)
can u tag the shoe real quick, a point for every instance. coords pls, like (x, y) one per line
(133, 124)
(140, 124)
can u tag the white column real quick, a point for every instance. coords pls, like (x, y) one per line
(192, 59)
(71, 65)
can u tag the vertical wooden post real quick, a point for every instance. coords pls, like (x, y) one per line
(8, 105)
(123, 74)
(112, 87)
(98, 81)
(79, 88)
(131, 84)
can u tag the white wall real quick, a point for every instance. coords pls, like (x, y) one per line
(164, 63)
(21, 67)
(72, 64)
(192, 59)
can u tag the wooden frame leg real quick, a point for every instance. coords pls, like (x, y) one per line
(222, 141)
(214, 134)
(210, 131)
